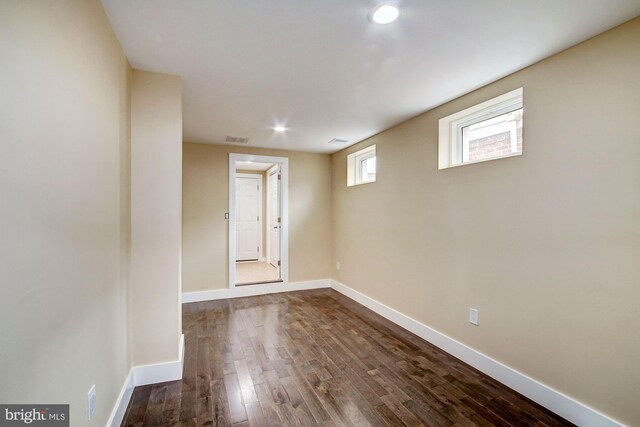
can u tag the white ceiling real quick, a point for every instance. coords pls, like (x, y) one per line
(253, 166)
(320, 68)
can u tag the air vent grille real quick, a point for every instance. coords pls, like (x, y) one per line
(237, 140)
(338, 141)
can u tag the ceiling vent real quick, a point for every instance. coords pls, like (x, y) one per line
(237, 140)
(338, 141)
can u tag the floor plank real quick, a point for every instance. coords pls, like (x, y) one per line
(315, 357)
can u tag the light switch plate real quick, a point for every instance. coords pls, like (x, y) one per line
(91, 402)
(473, 316)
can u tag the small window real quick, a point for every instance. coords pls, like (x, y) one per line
(361, 166)
(487, 131)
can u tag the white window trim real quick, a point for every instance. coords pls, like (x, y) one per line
(450, 127)
(370, 154)
(354, 165)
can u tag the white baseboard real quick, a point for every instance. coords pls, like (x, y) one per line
(252, 290)
(143, 375)
(160, 372)
(119, 409)
(551, 399)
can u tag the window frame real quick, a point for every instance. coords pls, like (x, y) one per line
(354, 165)
(450, 141)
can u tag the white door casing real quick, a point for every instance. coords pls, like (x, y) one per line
(283, 162)
(248, 212)
(273, 215)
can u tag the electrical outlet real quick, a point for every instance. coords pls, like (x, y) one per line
(473, 316)
(337, 265)
(91, 402)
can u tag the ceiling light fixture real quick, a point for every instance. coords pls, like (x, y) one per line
(384, 14)
(279, 128)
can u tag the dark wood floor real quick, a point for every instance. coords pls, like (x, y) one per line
(317, 358)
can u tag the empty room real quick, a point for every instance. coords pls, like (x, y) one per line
(320, 213)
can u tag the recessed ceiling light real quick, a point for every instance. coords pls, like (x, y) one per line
(384, 14)
(279, 128)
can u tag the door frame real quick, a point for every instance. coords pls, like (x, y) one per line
(267, 252)
(284, 209)
(258, 178)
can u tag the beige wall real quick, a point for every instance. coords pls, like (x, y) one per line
(64, 178)
(206, 199)
(546, 245)
(156, 217)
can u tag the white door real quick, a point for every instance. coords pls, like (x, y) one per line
(248, 203)
(273, 206)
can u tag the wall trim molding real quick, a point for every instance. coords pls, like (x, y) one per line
(143, 375)
(253, 290)
(555, 401)
(122, 402)
(160, 372)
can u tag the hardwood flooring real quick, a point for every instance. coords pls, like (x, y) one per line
(312, 358)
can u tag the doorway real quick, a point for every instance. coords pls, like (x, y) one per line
(257, 220)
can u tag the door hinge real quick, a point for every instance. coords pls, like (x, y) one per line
(257, 187)
(279, 177)
(278, 263)
(258, 218)
(278, 220)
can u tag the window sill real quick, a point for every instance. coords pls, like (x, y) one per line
(360, 183)
(506, 156)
